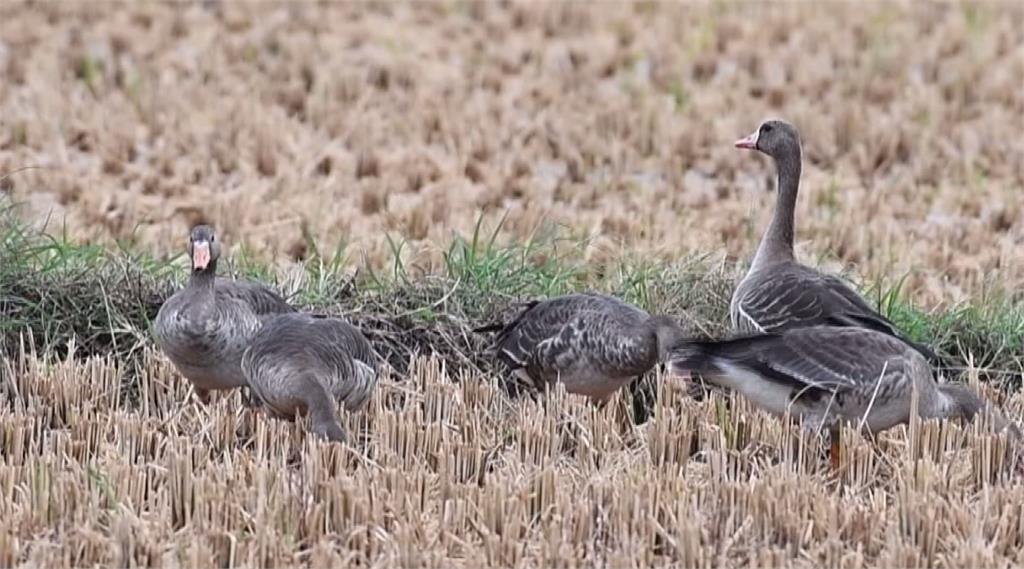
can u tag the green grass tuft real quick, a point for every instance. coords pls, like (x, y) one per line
(53, 290)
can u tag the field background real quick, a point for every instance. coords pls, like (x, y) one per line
(348, 121)
(422, 167)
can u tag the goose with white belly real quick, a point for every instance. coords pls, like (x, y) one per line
(828, 375)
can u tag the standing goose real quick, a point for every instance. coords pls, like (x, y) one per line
(309, 364)
(592, 343)
(828, 375)
(205, 327)
(778, 293)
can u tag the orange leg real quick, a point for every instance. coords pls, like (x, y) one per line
(834, 451)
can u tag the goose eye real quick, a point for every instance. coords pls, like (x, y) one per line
(766, 128)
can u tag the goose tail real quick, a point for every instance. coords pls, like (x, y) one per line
(690, 358)
(490, 328)
(502, 326)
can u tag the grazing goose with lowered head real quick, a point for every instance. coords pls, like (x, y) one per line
(205, 327)
(592, 343)
(302, 364)
(827, 375)
(778, 293)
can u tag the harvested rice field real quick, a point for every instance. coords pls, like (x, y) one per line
(425, 168)
(447, 471)
(346, 121)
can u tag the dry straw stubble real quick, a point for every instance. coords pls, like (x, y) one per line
(617, 120)
(450, 472)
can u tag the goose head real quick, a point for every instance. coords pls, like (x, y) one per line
(203, 249)
(776, 138)
(964, 402)
(668, 332)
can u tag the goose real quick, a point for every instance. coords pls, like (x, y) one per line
(779, 293)
(591, 343)
(300, 364)
(205, 327)
(828, 375)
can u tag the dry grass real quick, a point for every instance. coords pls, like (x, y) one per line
(452, 473)
(295, 126)
(343, 121)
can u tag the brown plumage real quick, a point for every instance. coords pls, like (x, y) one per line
(592, 343)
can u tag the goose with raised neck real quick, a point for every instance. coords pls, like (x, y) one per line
(776, 244)
(205, 327)
(779, 293)
(592, 343)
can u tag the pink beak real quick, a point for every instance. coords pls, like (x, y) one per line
(750, 142)
(200, 255)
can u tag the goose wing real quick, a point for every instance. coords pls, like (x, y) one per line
(801, 297)
(554, 323)
(862, 315)
(316, 337)
(336, 341)
(820, 359)
(593, 342)
(844, 307)
(315, 342)
(340, 332)
(259, 297)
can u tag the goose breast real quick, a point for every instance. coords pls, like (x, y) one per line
(205, 337)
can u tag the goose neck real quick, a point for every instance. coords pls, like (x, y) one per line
(202, 281)
(667, 333)
(958, 401)
(777, 242)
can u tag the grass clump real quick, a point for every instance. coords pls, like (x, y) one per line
(53, 290)
(986, 334)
